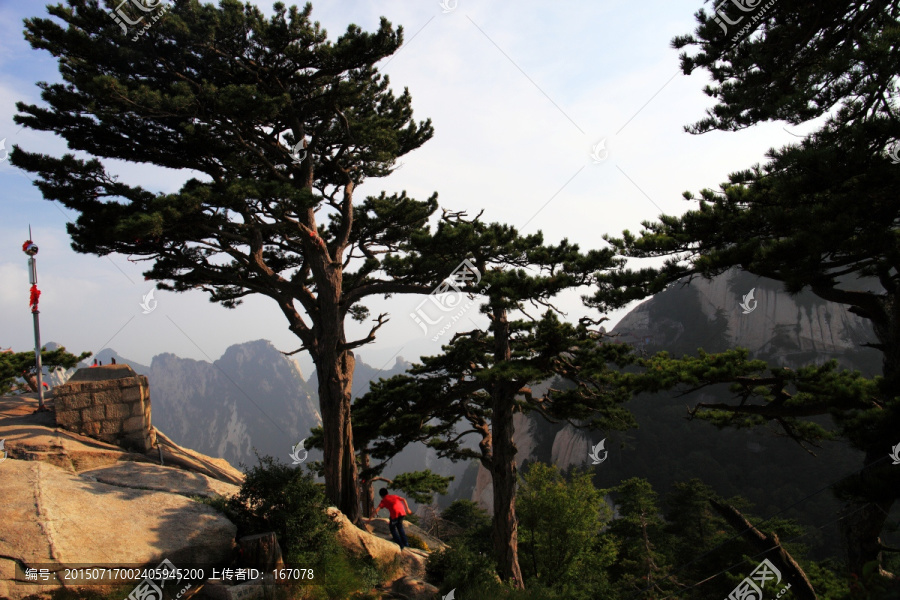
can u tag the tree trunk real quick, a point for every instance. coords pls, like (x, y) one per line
(770, 546)
(877, 485)
(861, 529)
(367, 493)
(505, 530)
(335, 375)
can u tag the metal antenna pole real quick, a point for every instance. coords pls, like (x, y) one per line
(35, 313)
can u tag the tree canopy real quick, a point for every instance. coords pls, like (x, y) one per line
(820, 214)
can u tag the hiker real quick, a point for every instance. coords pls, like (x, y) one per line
(397, 507)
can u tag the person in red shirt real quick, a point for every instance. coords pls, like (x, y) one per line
(397, 508)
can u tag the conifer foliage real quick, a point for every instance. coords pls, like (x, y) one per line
(275, 125)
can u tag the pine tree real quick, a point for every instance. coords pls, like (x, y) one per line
(641, 564)
(278, 126)
(483, 377)
(821, 214)
(14, 365)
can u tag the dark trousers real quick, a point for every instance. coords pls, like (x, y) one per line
(397, 532)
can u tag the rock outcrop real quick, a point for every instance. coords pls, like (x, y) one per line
(414, 589)
(72, 500)
(381, 528)
(409, 562)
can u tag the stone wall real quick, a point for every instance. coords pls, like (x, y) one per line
(109, 403)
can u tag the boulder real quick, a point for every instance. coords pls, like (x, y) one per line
(414, 589)
(148, 476)
(381, 528)
(54, 518)
(72, 500)
(260, 551)
(409, 562)
(185, 458)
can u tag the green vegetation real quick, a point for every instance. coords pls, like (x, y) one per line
(571, 547)
(280, 498)
(16, 366)
(821, 215)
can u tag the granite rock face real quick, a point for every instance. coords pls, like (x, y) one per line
(69, 500)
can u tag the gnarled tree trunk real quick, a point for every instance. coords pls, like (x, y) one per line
(505, 530)
(335, 375)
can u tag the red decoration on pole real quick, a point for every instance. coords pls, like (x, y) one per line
(35, 295)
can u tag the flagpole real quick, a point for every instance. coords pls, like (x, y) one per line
(31, 250)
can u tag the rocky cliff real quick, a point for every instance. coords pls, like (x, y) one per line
(253, 397)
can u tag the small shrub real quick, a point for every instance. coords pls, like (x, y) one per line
(462, 568)
(217, 502)
(277, 497)
(472, 525)
(417, 543)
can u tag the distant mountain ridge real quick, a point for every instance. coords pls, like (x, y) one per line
(253, 398)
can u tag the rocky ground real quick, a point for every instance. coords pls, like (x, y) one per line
(67, 499)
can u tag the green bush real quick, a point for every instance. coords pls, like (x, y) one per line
(217, 502)
(474, 523)
(280, 498)
(277, 497)
(340, 575)
(463, 569)
(560, 521)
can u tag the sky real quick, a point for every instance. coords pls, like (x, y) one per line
(525, 97)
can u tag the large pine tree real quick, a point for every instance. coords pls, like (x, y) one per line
(277, 126)
(821, 214)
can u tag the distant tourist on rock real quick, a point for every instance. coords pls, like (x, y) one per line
(112, 361)
(95, 363)
(397, 507)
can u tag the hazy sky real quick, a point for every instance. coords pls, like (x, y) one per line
(519, 94)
